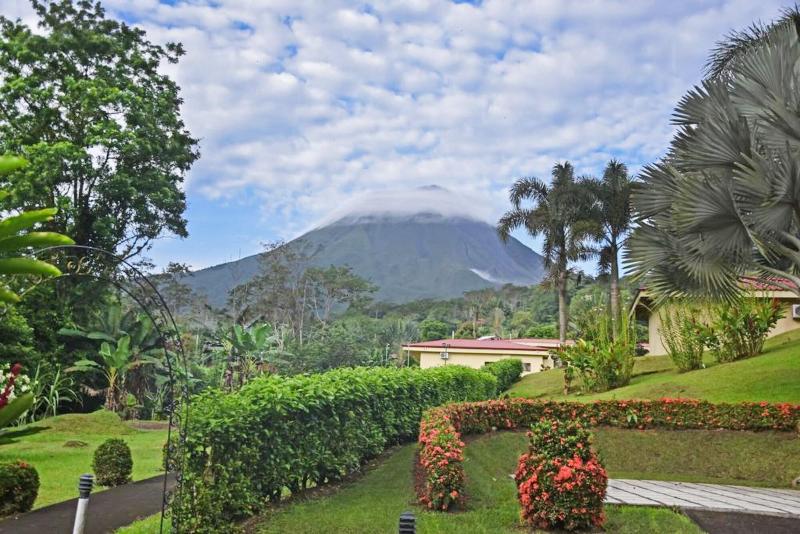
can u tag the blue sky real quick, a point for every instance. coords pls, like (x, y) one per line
(301, 106)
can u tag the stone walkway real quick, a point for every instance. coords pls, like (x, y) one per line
(709, 497)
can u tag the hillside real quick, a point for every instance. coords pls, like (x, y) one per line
(430, 253)
(773, 376)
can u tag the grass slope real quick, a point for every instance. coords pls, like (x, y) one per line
(773, 376)
(42, 445)
(374, 503)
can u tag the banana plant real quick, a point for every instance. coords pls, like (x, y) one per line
(116, 362)
(15, 239)
(250, 351)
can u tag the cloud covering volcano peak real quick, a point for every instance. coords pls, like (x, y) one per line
(406, 203)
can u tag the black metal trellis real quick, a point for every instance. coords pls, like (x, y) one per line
(76, 261)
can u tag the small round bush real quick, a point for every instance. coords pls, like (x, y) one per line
(112, 463)
(559, 493)
(560, 482)
(19, 486)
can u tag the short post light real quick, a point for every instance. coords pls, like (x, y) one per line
(84, 488)
(408, 523)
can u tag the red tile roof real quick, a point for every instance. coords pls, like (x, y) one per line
(758, 284)
(522, 344)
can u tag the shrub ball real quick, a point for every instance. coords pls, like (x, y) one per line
(112, 463)
(19, 486)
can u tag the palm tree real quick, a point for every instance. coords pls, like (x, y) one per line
(726, 200)
(613, 212)
(558, 213)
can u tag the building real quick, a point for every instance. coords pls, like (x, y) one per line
(476, 353)
(643, 310)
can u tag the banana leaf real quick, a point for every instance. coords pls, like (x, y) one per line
(14, 409)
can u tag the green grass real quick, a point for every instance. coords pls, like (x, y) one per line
(373, 503)
(769, 459)
(773, 376)
(148, 525)
(42, 445)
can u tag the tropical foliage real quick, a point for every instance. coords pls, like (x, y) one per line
(724, 201)
(557, 212)
(15, 238)
(612, 213)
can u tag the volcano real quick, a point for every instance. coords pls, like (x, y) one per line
(423, 244)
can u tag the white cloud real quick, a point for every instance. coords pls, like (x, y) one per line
(302, 103)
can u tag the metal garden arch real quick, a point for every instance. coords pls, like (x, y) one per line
(77, 261)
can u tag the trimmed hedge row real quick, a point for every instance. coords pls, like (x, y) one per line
(441, 428)
(277, 434)
(507, 372)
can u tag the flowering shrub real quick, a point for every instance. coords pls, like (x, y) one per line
(19, 486)
(441, 452)
(456, 420)
(279, 434)
(14, 383)
(560, 482)
(15, 393)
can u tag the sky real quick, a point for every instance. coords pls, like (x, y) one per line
(303, 107)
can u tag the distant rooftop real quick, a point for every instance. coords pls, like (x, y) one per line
(518, 344)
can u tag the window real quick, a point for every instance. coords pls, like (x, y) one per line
(526, 367)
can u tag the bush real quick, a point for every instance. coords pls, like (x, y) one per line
(19, 486)
(112, 463)
(684, 335)
(278, 434)
(506, 371)
(738, 330)
(560, 482)
(601, 364)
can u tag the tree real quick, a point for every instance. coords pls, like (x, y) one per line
(431, 329)
(278, 294)
(336, 286)
(558, 213)
(613, 215)
(84, 100)
(726, 200)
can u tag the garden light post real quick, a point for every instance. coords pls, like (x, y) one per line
(84, 488)
(407, 523)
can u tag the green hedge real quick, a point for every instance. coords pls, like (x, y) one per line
(507, 372)
(285, 434)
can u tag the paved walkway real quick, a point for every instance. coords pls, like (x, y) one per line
(705, 497)
(108, 510)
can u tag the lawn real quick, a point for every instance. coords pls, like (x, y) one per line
(773, 376)
(374, 504)
(44, 445)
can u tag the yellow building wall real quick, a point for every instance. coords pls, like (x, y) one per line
(476, 361)
(658, 348)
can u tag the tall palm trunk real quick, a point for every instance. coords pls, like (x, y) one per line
(614, 275)
(562, 307)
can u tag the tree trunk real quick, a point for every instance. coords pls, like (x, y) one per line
(615, 308)
(562, 307)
